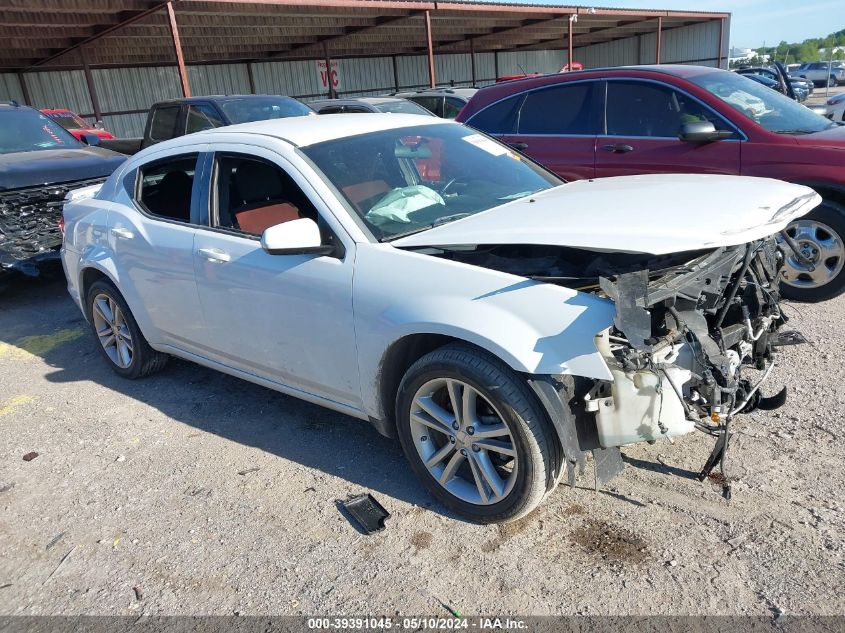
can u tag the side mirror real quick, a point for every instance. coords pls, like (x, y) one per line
(296, 237)
(91, 139)
(702, 132)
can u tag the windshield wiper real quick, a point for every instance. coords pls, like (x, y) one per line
(797, 131)
(444, 220)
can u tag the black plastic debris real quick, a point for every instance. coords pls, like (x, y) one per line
(368, 512)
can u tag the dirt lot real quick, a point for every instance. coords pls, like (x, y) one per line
(192, 492)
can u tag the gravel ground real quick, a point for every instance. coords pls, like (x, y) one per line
(191, 492)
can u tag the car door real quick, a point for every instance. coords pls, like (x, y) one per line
(152, 239)
(557, 126)
(642, 122)
(286, 318)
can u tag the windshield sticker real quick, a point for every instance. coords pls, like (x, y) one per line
(488, 145)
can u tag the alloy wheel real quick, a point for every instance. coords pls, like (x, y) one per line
(819, 244)
(463, 441)
(112, 330)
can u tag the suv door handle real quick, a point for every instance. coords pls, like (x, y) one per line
(618, 148)
(215, 255)
(122, 233)
(518, 146)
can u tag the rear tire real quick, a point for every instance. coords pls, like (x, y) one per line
(118, 336)
(497, 457)
(821, 233)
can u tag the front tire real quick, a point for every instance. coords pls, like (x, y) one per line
(119, 338)
(821, 237)
(475, 435)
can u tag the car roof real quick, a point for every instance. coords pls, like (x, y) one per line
(459, 92)
(308, 130)
(374, 101)
(217, 98)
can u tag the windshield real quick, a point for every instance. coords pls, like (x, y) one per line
(69, 120)
(25, 130)
(409, 179)
(401, 107)
(770, 109)
(262, 108)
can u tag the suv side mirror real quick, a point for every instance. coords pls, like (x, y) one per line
(296, 237)
(90, 139)
(702, 132)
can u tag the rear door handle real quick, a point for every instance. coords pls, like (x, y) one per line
(215, 255)
(122, 233)
(518, 146)
(618, 148)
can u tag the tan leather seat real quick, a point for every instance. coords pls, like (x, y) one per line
(264, 202)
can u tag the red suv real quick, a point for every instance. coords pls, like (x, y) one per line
(689, 119)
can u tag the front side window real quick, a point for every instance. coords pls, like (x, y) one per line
(563, 109)
(769, 109)
(165, 187)
(451, 107)
(163, 124)
(646, 109)
(27, 130)
(251, 195)
(202, 117)
(408, 179)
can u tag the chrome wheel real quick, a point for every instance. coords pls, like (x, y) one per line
(112, 330)
(463, 441)
(821, 246)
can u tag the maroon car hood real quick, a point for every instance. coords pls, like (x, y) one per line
(834, 137)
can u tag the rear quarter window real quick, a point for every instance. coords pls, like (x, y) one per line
(163, 124)
(498, 118)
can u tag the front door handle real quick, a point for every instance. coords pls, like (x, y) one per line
(518, 146)
(215, 255)
(122, 233)
(618, 148)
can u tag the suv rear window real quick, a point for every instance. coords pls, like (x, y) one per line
(163, 124)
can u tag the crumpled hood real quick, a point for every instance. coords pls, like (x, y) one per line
(49, 166)
(655, 214)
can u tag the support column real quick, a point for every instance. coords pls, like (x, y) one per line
(431, 77)
(250, 77)
(332, 94)
(659, 34)
(395, 73)
(721, 39)
(177, 46)
(496, 64)
(24, 89)
(569, 37)
(472, 60)
(89, 81)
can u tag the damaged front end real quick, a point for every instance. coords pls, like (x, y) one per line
(690, 328)
(681, 342)
(30, 232)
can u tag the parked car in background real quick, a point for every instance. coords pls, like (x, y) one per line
(395, 105)
(177, 117)
(835, 107)
(443, 102)
(683, 119)
(822, 74)
(776, 80)
(476, 317)
(40, 163)
(75, 124)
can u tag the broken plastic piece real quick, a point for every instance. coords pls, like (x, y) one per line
(368, 512)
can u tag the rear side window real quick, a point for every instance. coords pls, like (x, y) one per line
(331, 110)
(499, 118)
(566, 109)
(202, 117)
(165, 187)
(432, 104)
(163, 124)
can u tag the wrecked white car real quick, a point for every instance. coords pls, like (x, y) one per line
(421, 276)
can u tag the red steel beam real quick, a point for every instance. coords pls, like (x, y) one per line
(177, 47)
(659, 30)
(570, 45)
(431, 77)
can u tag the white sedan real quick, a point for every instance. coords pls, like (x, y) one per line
(417, 274)
(835, 107)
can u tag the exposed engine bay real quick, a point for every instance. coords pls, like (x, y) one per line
(689, 328)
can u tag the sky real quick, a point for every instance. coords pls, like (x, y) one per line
(753, 22)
